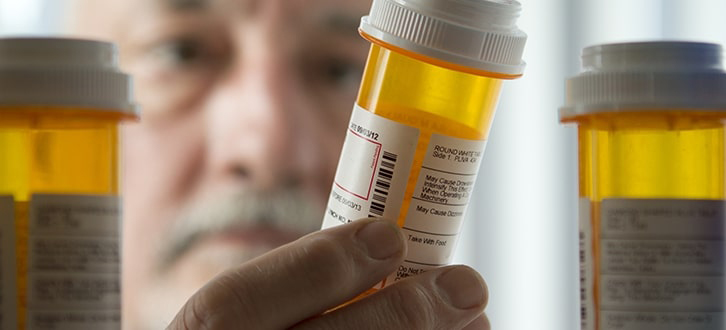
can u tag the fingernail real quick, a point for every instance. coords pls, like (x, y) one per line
(479, 323)
(381, 239)
(464, 287)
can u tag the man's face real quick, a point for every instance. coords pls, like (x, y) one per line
(245, 104)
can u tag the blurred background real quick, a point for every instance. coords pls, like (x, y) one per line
(521, 231)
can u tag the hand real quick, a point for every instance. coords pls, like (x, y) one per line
(293, 286)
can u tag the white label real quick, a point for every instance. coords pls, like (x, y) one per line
(75, 320)
(373, 169)
(661, 320)
(439, 202)
(8, 283)
(587, 300)
(661, 264)
(73, 256)
(372, 175)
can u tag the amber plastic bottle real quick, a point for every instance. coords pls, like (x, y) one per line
(651, 119)
(61, 101)
(419, 126)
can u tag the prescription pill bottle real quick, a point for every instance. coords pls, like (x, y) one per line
(61, 101)
(420, 123)
(650, 119)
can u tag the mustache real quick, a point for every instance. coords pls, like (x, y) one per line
(289, 209)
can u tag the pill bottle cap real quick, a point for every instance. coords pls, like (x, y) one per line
(644, 76)
(63, 72)
(478, 34)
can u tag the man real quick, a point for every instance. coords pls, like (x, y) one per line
(245, 104)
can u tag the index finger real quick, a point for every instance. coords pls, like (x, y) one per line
(299, 280)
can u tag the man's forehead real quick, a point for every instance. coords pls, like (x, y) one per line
(185, 4)
(250, 4)
(333, 14)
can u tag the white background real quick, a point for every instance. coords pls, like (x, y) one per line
(521, 230)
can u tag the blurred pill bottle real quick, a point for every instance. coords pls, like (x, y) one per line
(61, 102)
(650, 119)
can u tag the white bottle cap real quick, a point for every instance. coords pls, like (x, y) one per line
(647, 76)
(479, 34)
(63, 72)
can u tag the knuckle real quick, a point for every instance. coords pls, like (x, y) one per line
(193, 315)
(415, 309)
(217, 304)
(326, 260)
(323, 248)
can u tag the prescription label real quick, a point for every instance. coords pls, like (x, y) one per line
(435, 214)
(8, 283)
(74, 262)
(661, 264)
(373, 175)
(587, 300)
(373, 169)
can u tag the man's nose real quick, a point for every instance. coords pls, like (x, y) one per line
(257, 125)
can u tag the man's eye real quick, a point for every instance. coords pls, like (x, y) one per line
(342, 73)
(178, 53)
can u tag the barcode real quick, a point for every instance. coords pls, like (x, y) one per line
(383, 184)
(583, 282)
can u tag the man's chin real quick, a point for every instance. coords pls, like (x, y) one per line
(226, 249)
(207, 258)
(249, 238)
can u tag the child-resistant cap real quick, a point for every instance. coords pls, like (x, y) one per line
(479, 34)
(647, 76)
(63, 72)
